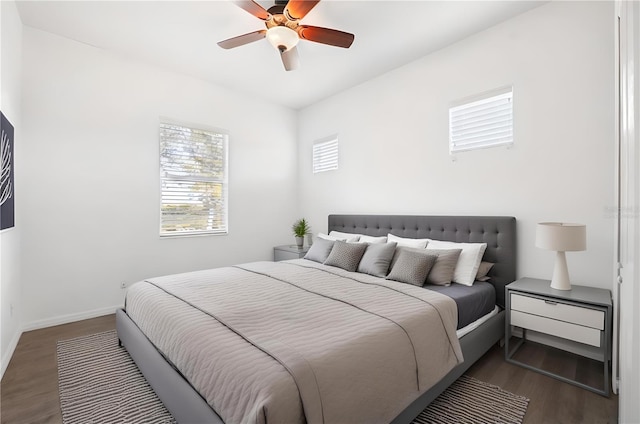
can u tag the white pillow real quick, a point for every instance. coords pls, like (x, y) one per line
(348, 237)
(372, 240)
(468, 262)
(407, 242)
(328, 237)
(338, 236)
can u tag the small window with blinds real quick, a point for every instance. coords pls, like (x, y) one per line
(325, 154)
(485, 121)
(193, 178)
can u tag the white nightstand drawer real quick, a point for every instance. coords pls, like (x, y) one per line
(559, 311)
(578, 333)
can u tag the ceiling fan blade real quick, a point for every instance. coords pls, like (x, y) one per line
(297, 9)
(252, 7)
(290, 59)
(333, 37)
(241, 40)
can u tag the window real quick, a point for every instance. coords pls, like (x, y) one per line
(194, 177)
(485, 121)
(325, 154)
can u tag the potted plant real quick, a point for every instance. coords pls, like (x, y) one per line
(300, 228)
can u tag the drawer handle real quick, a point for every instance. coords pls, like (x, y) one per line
(550, 302)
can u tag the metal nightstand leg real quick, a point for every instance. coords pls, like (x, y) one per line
(509, 359)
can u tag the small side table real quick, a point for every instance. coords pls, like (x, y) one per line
(286, 252)
(582, 314)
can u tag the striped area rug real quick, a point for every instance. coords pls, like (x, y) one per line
(471, 401)
(100, 383)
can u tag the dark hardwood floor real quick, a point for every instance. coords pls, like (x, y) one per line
(29, 388)
(550, 400)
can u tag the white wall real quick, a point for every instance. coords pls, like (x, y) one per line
(393, 133)
(10, 239)
(90, 184)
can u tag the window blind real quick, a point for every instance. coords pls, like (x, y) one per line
(325, 155)
(193, 176)
(485, 122)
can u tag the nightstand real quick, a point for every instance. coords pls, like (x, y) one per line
(582, 314)
(283, 253)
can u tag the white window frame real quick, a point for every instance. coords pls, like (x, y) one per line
(482, 121)
(325, 154)
(179, 177)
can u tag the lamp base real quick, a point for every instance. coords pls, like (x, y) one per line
(560, 280)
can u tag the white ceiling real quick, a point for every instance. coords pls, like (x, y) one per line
(182, 35)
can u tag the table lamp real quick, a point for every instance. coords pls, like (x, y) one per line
(561, 237)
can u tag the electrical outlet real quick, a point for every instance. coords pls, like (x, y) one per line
(123, 285)
(11, 309)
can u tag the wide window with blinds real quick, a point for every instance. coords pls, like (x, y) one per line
(194, 179)
(325, 154)
(485, 121)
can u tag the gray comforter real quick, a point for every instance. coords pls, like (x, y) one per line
(296, 341)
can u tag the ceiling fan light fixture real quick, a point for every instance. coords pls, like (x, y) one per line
(282, 38)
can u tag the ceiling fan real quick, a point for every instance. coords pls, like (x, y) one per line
(284, 29)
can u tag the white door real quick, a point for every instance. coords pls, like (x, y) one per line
(627, 255)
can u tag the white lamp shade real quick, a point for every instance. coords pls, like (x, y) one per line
(561, 236)
(282, 38)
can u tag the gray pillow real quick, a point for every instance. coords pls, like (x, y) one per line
(412, 266)
(401, 248)
(377, 258)
(442, 272)
(319, 250)
(483, 270)
(346, 255)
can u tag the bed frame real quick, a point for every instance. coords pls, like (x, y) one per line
(187, 406)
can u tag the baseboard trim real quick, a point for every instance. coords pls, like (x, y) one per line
(6, 358)
(65, 319)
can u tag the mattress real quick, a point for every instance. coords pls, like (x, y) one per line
(473, 302)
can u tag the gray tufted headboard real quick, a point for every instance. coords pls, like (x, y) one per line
(499, 232)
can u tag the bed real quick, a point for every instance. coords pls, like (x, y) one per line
(187, 405)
